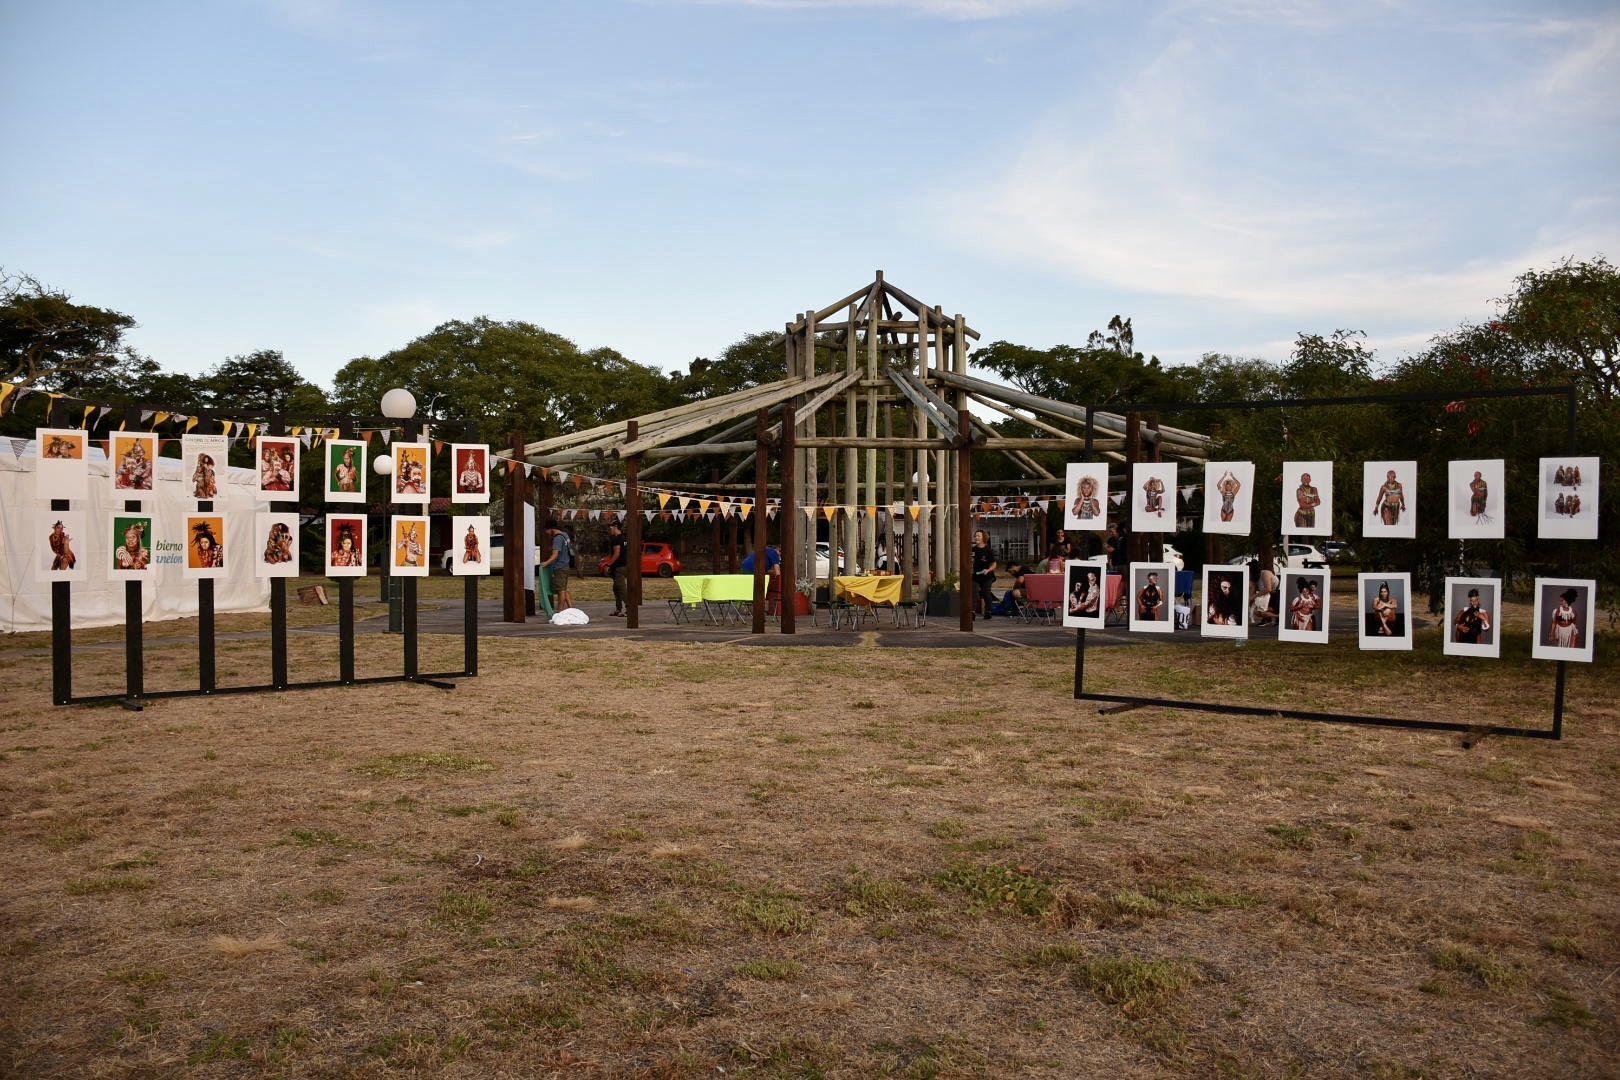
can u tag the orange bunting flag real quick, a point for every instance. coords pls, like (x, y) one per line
(915, 510)
(829, 512)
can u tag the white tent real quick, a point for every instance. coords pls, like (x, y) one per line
(25, 596)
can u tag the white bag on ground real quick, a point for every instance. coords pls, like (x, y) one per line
(570, 617)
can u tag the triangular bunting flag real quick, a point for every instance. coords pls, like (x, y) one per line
(1117, 498)
(386, 433)
(1187, 492)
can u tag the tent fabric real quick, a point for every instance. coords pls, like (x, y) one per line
(25, 597)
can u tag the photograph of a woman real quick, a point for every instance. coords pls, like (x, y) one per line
(345, 474)
(1385, 606)
(1084, 594)
(1563, 627)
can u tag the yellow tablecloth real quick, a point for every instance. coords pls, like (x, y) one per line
(738, 587)
(871, 590)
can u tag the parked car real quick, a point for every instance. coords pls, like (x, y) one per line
(1292, 556)
(824, 561)
(656, 558)
(495, 556)
(1337, 551)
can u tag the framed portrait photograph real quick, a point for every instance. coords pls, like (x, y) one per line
(1085, 593)
(1384, 611)
(469, 473)
(275, 539)
(202, 465)
(205, 546)
(408, 546)
(131, 539)
(345, 545)
(1304, 606)
(1475, 498)
(410, 480)
(469, 545)
(1389, 499)
(1307, 498)
(1152, 497)
(343, 478)
(1567, 502)
(276, 459)
(1228, 497)
(1085, 489)
(132, 463)
(1563, 619)
(1471, 616)
(1225, 613)
(59, 545)
(61, 464)
(1151, 604)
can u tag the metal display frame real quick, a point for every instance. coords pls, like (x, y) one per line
(1123, 702)
(135, 692)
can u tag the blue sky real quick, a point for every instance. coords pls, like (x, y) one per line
(333, 178)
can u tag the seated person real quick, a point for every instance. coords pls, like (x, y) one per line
(1016, 595)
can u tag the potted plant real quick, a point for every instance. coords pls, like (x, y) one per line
(804, 588)
(944, 596)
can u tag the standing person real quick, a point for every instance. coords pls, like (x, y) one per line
(1061, 551)
(1228, 486)
(1150, 600)
(618, 564)
(1564, 627)
(1115, 547)
(984, 574)
(345, 473)
(558, 560)
(1471, 621)
(1265, 590)
(203, 484)
(1384, 610)
(1306, 500)
(1390, 501)
(1302, 612)
(1478, 493)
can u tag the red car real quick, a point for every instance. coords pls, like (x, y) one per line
(656, 558)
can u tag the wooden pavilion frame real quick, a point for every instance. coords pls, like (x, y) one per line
(873, 413)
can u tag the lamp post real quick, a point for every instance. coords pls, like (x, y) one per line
(397, 404)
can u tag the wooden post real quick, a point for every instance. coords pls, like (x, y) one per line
(1133, 454)
(964, 519)
(762, 479)
(790, 515)
(632, 531)
(512, 605)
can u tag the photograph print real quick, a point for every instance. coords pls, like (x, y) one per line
(408, 546)
(1389, 499)
(344, 477)
(132, 463)
(275, 458)
(1563, 628)
(345, 545)
(469, 473)
(1567, 502)
(1307, 498)
(1152, 496)
(1151, 604)
(1085, 593)
(205, 547)
(1471, 607)
(1228, 497)
(59, 543)
(131, 545)
(1475, 492)
(61, 464)
(1226, 602)
(202, 465)
(275, 538)
(1384, 606)
(410, 477)
(1304, 606)
(469, 545)
(1086, 493)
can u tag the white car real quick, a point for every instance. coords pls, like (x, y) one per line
(495, 556)
(1290, 556)
(824, 561)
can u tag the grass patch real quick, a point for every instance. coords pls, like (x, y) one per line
(1135, 986)
(463, 910)
(999, 885)
(114, 884)
(1487, 969)
(420, 766)
(769, 970)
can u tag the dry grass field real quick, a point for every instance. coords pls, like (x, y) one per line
(619, 858)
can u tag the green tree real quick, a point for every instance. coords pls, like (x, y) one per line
(50, 343)
(1337, 365)
(506, 376)
(1570, 317)
(1107, 370)
(260, 382)
(756, 359)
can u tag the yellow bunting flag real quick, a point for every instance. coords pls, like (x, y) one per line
(663, 499)
(228, 426)
(191, 422)
(253, 431)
